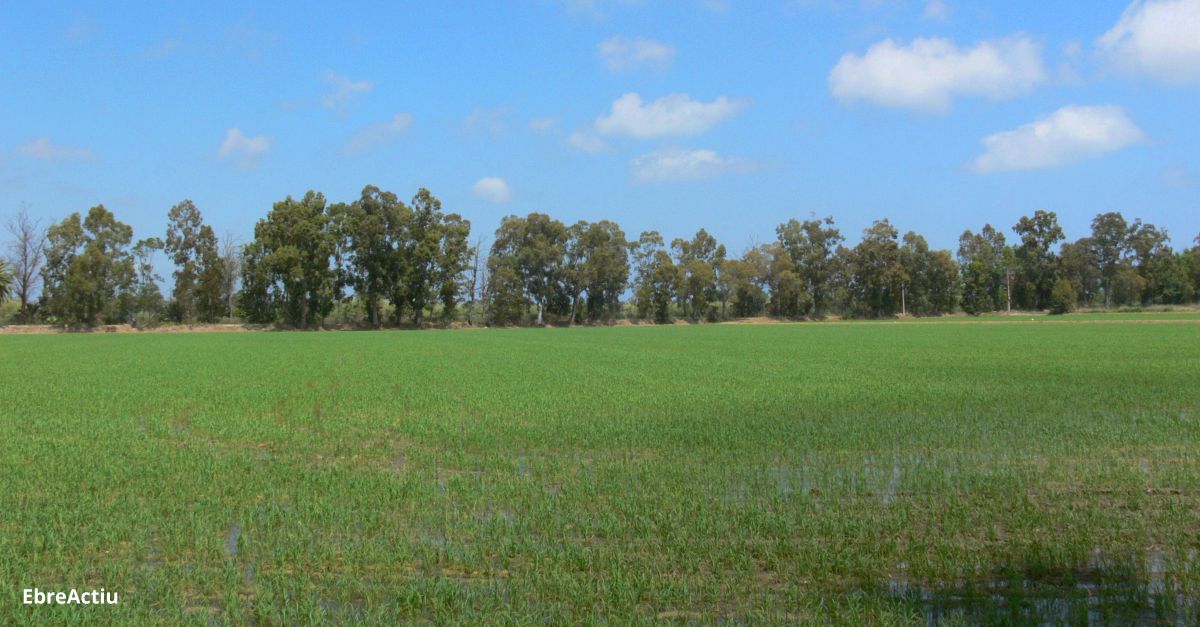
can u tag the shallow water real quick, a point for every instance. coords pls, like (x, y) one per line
(1096, 595)
(231, 541)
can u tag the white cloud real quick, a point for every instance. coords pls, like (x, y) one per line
(379, 134)
(1068, 135)
(936, 10)
(542, 126)
(492, 189)
(1160, 38)
(676, 114)
(927, 74)
(490, 122)
(244, 150)
(345, 91)
(44, 149)
(1177, 175)
(623, 53)
(586, 142)
(681, 164)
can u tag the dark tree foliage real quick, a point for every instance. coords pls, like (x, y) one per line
(88, 269)
(984, 266)
(1036, 262)
(698, 261)
(874, 273)
(288, 266)
(536, 245)
(596, 269)
(811, 246)
(415, 261)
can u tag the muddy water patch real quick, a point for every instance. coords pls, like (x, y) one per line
(1102, 593)
(231, 540)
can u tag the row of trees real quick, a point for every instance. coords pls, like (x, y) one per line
(90, 271)
(378, 260)
(305, 255)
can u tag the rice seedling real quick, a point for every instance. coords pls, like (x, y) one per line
(859, 472)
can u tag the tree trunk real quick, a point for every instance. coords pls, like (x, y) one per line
(539, 318)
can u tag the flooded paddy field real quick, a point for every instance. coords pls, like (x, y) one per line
(932, 473)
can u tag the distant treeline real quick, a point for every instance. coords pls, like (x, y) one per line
(378, 261)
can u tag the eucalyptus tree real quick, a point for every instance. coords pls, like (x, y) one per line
(371, 233)
(930, 278)
(88, 266)
(536, 245)
(1035, 257)
(1151, 254)
(662, 283)
(641, 254)
(453, 262)
(183, 226)
(288, 265)
(147, 298)
(746, 280)
(698, 260)
(874, 272)
(789, 296)
(811, 246)
(985, 267)
(596, 263)
(1109, 244)
(1080, 264)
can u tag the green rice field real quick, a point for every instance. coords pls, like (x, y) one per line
(959, 471)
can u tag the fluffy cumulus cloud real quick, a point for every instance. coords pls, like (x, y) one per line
(622, 54)
(676, 114)
(492, 189)
(927, 74)
(1159, 38)
(682, 164)
(1068, 135)
(45, 150)
(243, 150)
(379, 134)
(345, 91)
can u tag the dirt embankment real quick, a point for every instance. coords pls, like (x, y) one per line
(997, 318)
(18, 329)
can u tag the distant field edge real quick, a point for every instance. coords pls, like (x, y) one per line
(1179, 315)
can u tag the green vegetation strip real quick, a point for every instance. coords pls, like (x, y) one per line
(806, 472)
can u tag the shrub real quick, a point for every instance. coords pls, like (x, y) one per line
(1062, 297)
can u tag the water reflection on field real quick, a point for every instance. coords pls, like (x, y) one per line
(1136, 592)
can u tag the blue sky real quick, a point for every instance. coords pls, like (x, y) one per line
(670, 115)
